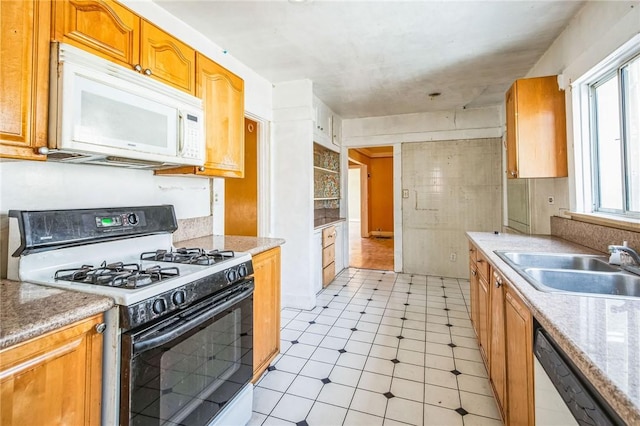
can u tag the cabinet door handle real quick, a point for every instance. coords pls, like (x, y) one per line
(100, 328)
(473, 272)
(147, 72)
(513, 173)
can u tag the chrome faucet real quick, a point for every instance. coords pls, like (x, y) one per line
(628, 250)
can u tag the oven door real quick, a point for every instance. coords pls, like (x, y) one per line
(184, 369)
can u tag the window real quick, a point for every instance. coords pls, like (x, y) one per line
(611, 134)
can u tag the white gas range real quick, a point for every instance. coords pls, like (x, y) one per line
(168, 299)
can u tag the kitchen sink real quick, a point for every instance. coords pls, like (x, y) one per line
(573, 273)
(617, 284)
(559, 261)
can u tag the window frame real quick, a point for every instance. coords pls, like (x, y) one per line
(585, 131)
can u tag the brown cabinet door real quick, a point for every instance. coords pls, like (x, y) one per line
(102, 27)
(167, 59)
(24, 77)
(483, 318)
(266, 309)
(519, 366)
(222, 93)
(55, 378)
(536, 128)
(497, 368)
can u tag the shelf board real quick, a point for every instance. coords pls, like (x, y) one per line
(326, 198)
(322, 169)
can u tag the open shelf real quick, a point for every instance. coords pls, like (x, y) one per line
(323, 170)
(326, 198)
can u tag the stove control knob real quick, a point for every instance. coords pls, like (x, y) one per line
(159, 306)
(232, 275)
(179, 297)
(242, 271)
(132, 218)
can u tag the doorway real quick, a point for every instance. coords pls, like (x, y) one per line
(370, 206)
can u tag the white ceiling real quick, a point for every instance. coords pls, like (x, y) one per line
(375, 58)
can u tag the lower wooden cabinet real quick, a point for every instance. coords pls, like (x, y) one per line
(328, 255)
(53, 379)
(266, 309)
(519, 361)
(503, 324)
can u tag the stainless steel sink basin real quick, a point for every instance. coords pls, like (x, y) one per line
(559, 261)
(617, 284)
(573, 273)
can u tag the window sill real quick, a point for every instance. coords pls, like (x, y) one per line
(627, 224)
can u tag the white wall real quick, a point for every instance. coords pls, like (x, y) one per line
(430, 126)
(354, 194)
(292, 189)
(597, 30)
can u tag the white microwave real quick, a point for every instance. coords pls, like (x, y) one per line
(103, 113)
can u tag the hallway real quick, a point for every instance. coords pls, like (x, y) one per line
(369, 253)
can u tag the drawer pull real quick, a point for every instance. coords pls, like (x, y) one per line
(100, 328)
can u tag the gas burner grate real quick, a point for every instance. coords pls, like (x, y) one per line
(119, 274)
(194, 256)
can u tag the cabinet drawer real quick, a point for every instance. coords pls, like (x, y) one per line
(328, 255)
(328, 273)
(328, 236)
(483, 265)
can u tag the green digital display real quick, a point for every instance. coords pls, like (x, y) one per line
(106, 221)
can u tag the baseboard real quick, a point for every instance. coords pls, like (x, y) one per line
(297, 301)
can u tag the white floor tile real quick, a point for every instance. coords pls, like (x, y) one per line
(310, 338)
(378, 365)
(473, 420)
(305, 387)
(374, 382)
(407, 389)
(345, 376)
(436, 377)
(384, 352)
(274, 421)
(441, 397)
(356, 347)
(439, 362)
(357, 418)
(412, 345)
(316, 369)
(331, 342)
(390, 341)
(474, 384)
(324, 414)
(471, 367)
(410, 357)
(292, 408)
(301, 350)
(369, 402)
(404, 410)
(336, 394)
(330, 356)
(479, 404)
(352, 360)
(265, 399)
(256, 419)
(277, 380)
(438, 349)
(409, 371)
(439, 416)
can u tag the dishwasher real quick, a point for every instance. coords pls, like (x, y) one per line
(563, 396)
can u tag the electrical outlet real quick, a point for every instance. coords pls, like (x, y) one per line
(550, 200)
(405, 193)
(453, 257)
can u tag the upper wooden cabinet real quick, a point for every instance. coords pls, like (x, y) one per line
(24, 78)
(222, 93)
(54, 379)
(536, 129)
(112, 31)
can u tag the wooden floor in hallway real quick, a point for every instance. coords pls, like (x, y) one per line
(369, 253)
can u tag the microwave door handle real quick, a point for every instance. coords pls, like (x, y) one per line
(174, 332)
(180, 133)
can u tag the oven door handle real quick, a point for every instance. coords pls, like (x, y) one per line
(171, 334)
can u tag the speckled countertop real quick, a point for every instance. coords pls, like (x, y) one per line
(30, 310)
(601, 335)
(321, 223)
(253, 245)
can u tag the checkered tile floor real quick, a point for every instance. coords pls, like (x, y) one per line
(379, 349)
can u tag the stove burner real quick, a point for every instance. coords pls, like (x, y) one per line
(195, 256)
(119, 274)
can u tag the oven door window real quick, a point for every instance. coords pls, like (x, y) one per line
(189, 379)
